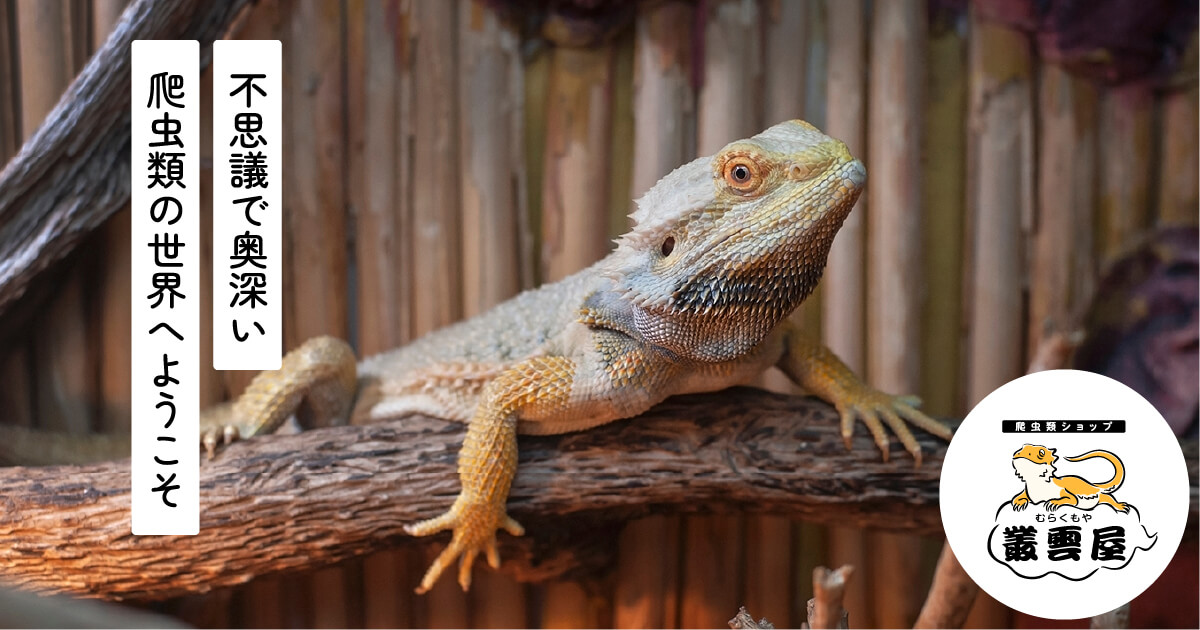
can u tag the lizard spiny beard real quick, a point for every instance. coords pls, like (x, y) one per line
(723, 312)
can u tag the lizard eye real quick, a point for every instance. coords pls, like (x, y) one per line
(668, 246)
(742, 175)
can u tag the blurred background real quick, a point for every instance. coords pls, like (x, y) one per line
(441, 156)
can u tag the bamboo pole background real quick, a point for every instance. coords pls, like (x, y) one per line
(844, 288)
(379, 94)
(647, 572)
(1177, 177)
(770, 552)
(112, 279)
(1000, 129)
(440, 159)
(575, 222)
(63, 352)
(728, 104)
(894, 283)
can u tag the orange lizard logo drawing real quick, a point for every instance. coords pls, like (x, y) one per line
(1035, 466)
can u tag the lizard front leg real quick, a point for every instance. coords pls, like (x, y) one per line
(487, 463)
(316, 382)
(817, 369)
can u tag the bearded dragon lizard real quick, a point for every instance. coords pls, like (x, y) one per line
(694, 298)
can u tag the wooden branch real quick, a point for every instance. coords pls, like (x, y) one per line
(825, 608)
(74, 172)
(301, 501)
(743, 620)
(950, 596)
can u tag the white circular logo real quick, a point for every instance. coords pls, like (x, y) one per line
(1064, 494)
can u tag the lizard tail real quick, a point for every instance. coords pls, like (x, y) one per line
(1118, 468)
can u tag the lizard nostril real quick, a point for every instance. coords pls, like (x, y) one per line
(798, 172)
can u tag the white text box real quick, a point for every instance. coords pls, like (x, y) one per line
(165, 276)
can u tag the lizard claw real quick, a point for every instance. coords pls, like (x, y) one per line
(876, 409)
(474, 526)
(212, 437)
(220, 426)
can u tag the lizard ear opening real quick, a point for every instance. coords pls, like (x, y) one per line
(668, 246)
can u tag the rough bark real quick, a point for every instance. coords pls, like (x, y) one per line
(74, 172)
(302, 501)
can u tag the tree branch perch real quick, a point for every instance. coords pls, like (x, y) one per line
(74, 172)
(301, 501)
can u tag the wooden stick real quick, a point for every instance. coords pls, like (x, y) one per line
(950, 596)
(825, 608)
(743, 620)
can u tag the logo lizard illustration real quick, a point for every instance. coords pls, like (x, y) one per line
(1035, 466)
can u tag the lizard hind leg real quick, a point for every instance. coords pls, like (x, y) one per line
(1116, 505)
(316, 382)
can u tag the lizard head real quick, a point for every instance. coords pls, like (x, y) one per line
(1036, 454)
(725, 247)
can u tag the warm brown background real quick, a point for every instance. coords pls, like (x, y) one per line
(435, 164)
